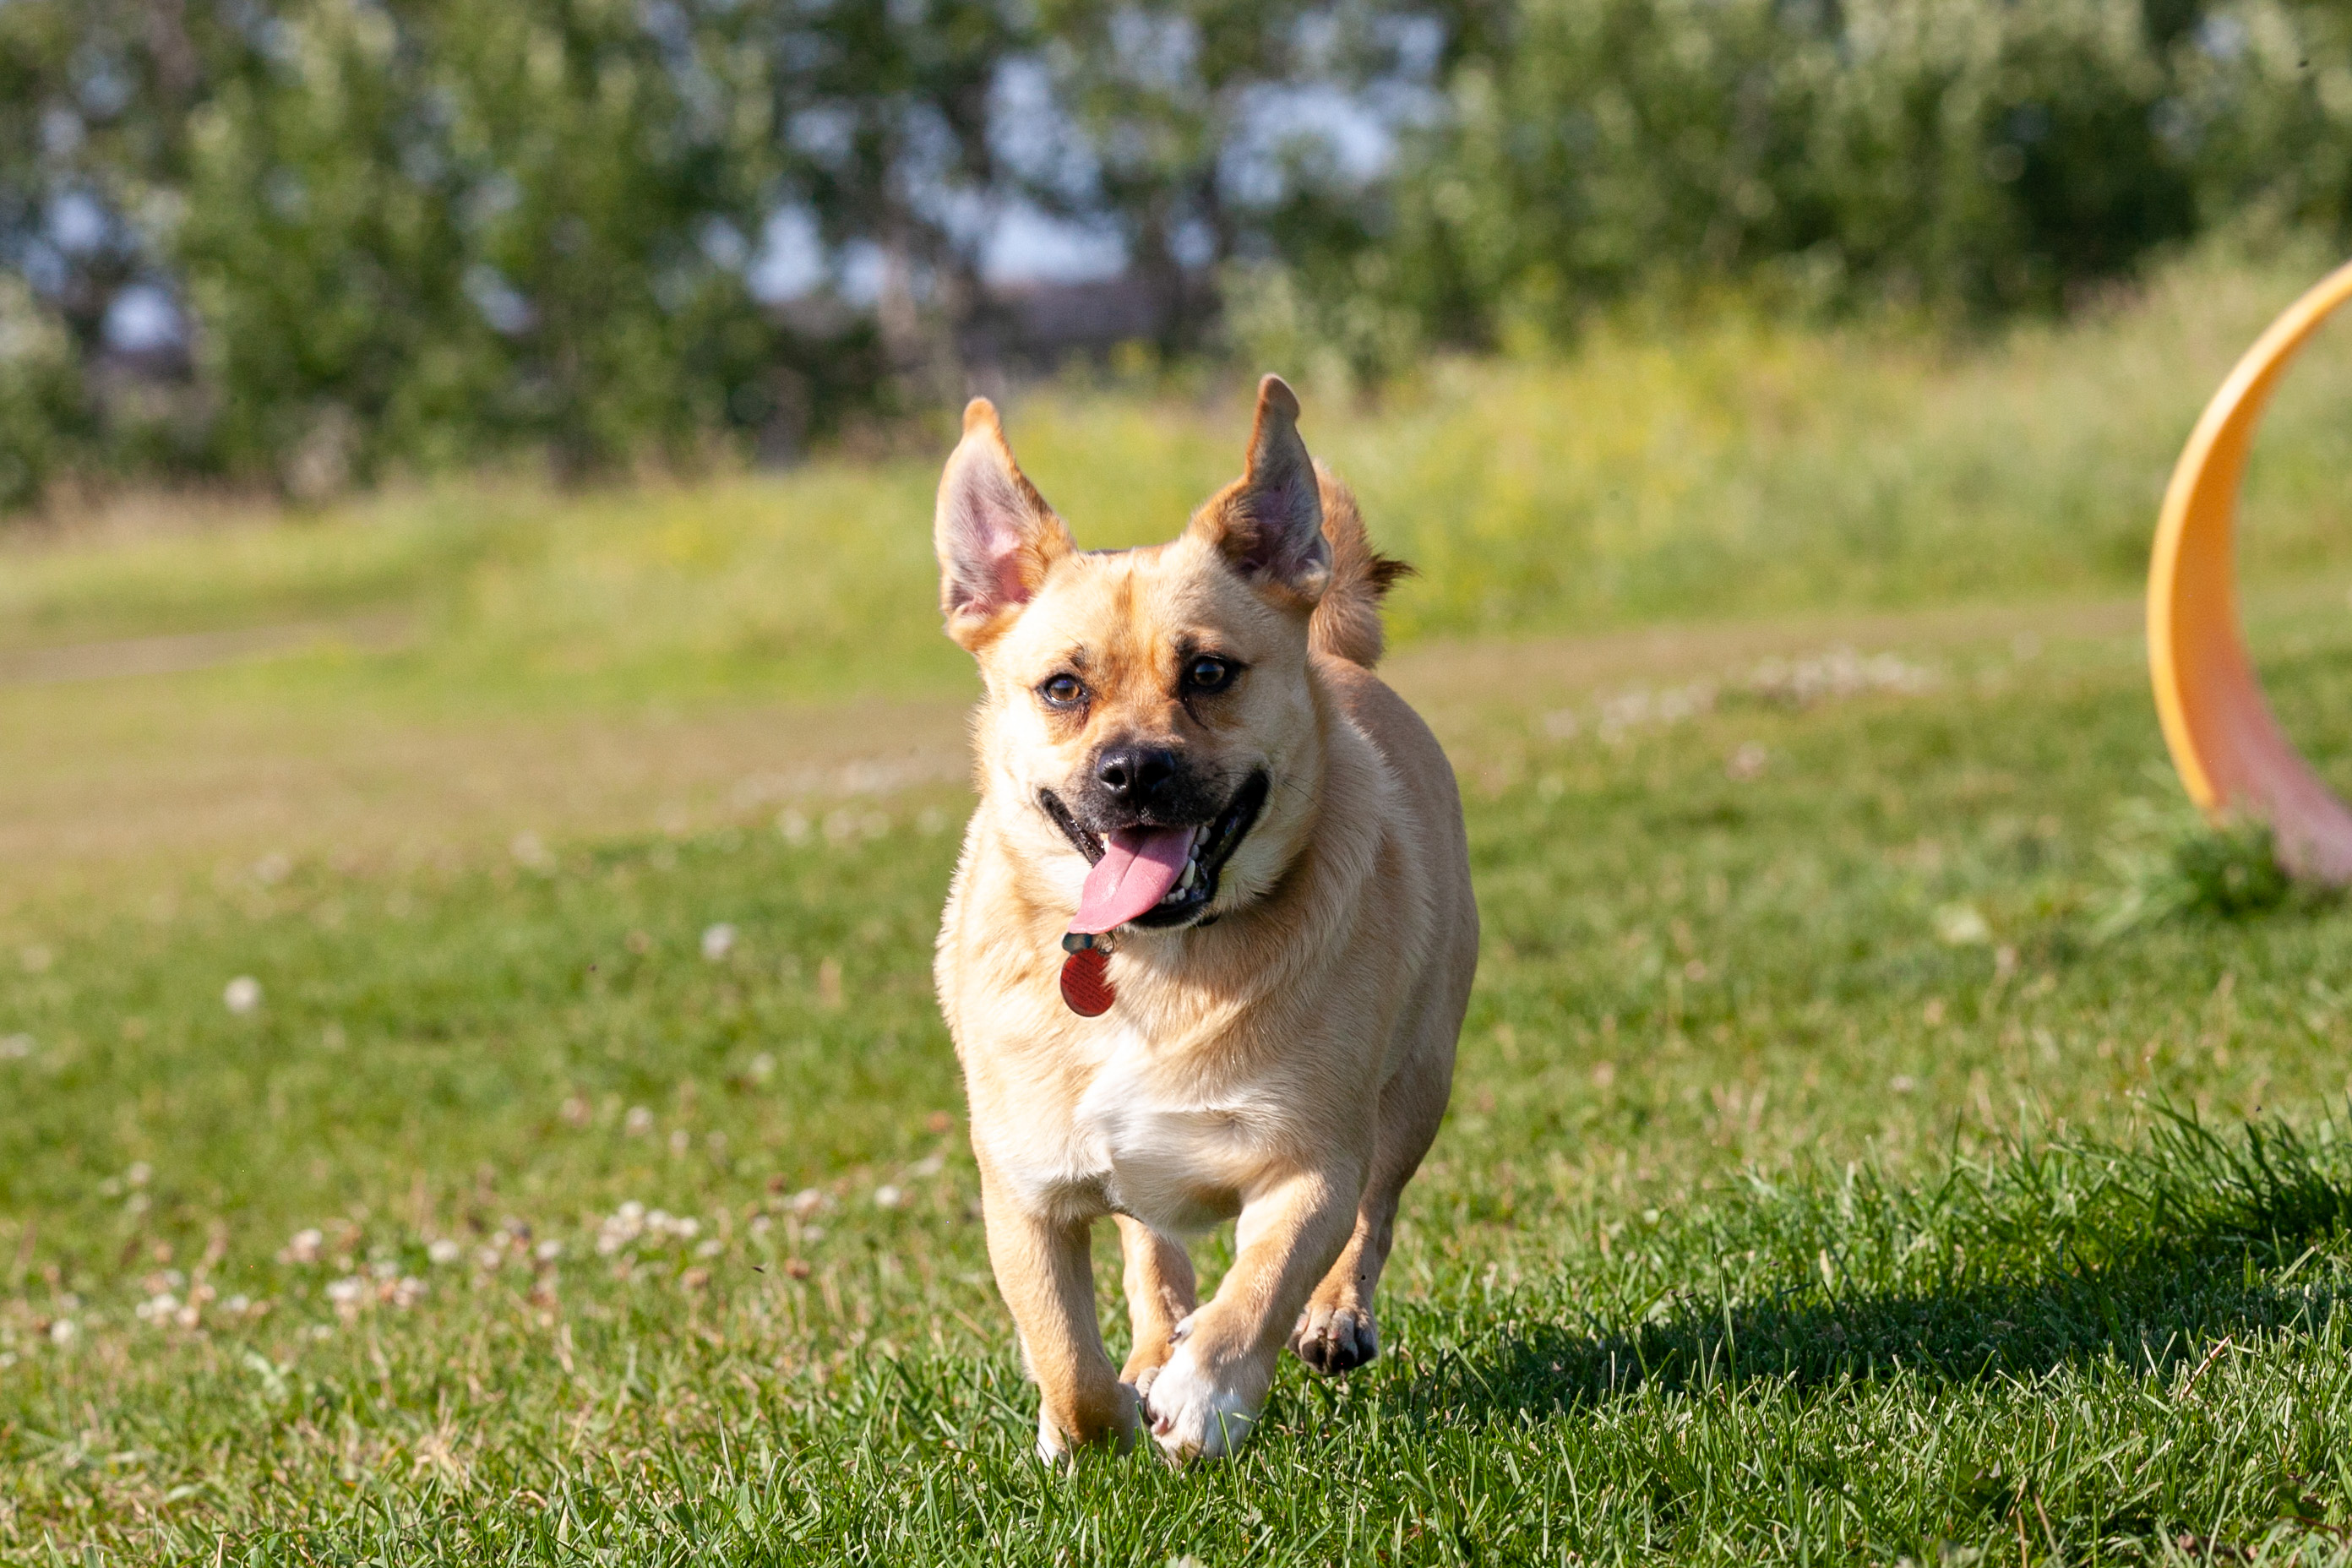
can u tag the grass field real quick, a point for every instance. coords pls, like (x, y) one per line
(474, 1095)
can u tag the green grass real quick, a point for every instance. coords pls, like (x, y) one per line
(1882, 1131)
(1817, 1189)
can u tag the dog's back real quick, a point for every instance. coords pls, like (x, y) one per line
(1347, 634)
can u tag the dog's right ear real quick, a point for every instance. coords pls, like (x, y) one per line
(995, 535)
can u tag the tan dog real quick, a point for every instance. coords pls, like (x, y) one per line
(1183, 749)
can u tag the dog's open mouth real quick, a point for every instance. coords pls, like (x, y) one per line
(1155, 876)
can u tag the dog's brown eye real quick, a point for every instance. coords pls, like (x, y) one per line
(1208, 674)
(1063, 691)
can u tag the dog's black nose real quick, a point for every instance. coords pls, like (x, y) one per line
(1134, 776)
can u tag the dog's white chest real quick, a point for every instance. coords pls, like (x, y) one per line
(1143, 1138)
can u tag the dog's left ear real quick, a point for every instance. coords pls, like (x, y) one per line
(995, 536)
(1268, 524)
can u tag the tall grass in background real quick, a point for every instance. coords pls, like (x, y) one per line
(1718, 463)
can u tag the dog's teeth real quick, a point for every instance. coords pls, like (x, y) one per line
(1191, 875)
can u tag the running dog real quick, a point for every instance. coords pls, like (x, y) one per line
(1208, 949)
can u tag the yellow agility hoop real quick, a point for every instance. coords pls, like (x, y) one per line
(2231, 755)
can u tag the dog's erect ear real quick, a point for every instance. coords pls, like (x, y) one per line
(1269, 522)
(995, 535)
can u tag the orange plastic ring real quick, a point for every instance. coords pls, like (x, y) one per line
(2233, 757)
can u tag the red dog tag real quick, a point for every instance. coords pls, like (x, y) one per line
(1086, 983)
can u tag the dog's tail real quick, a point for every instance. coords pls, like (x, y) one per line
(1346, 623)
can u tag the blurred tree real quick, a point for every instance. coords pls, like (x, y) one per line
(307, 239)
(435, 232)
(1217, 130)
(1975, 153)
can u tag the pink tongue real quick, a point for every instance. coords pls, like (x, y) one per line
(1138, 868)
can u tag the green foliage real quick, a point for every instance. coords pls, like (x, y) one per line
(416, 237)
(2232, 871)
(2171, 864)
(1975, 156)
(413, 240)
(40, 396)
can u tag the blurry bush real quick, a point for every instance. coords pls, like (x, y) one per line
(40, 395)
(303, 240)
(1964, 156)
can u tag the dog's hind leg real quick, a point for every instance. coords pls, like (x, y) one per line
(1045, 1270)
(1337, 1331)
(1160, 1293)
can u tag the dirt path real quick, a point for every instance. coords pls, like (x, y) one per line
(144, 777)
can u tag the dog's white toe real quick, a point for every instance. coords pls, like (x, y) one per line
(1051, 1449)
(1192, 1415)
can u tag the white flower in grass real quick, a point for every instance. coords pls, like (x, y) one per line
(807, 1202)
(622, 1226)
(639, 1122)
(710, 1248)
(886, 1196)
(304, 1247)
(718, 942)
(406, 1291)
(1962, 925)
(548, 1251)
(15, 1047)
(62, 1331)
(155, 1309)
(443, 1251)
(242, 995)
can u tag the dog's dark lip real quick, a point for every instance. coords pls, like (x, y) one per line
(1224, 836)
(1083, 840)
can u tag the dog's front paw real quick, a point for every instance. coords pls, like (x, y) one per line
(1195, 1414)
(1335, 1338)
(1060, 1450)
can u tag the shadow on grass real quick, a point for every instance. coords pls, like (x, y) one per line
(2043, 1256)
